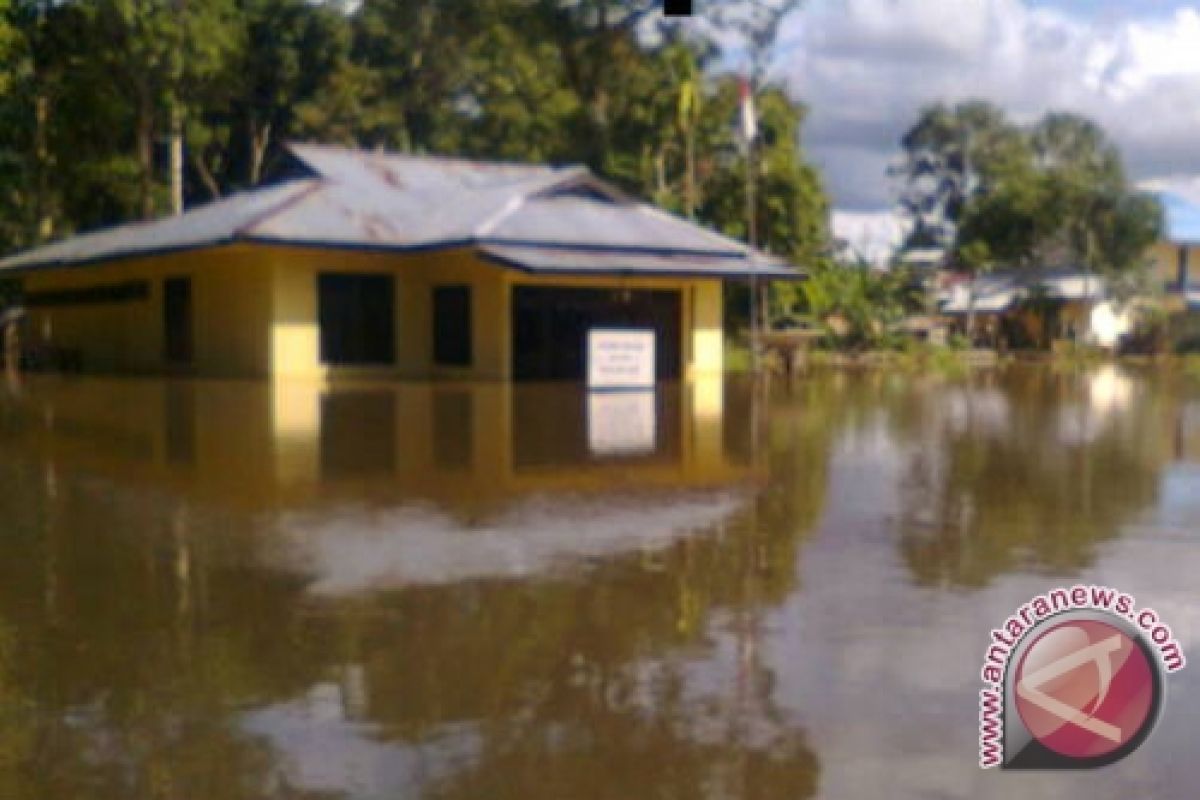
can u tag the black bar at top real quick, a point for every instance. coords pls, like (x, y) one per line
(677, 8)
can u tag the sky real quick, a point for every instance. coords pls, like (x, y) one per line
(865, 68)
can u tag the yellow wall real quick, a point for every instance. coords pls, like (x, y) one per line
(1165, 268)
(255, 312)
(707, 329)
(230, 310)
(295, 348)
(294, 335)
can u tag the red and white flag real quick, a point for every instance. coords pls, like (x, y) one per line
(748, 117)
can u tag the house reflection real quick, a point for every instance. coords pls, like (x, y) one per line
(354, 591)
(461, 445)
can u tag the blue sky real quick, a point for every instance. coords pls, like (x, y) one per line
(867, 67)
(1113, 9)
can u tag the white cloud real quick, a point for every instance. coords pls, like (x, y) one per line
(873, 235)
(866, 67)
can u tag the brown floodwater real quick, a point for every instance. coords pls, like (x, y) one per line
(246, 590)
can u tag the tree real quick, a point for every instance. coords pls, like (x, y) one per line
(285, 56)
(98, 87)
(1068, 205)
(950, 154)
(166, 53)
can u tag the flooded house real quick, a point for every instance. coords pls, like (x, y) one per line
(375, 265)
(1037, 307)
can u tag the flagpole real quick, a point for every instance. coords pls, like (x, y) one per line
(749, 131)
(752, 240)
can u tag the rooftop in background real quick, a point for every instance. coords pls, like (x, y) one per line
(998, 292)
(923, 257)
(383, 201)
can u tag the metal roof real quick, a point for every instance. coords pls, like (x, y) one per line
(398, 202)
(998, 292)
(567, 261)
(216, 223)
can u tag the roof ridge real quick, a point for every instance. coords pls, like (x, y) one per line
(527, 190)
(647, 208)
(247, 228)
(440, 158)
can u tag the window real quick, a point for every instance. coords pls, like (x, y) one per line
(177, 320)
(91, 295)
(452, 325)
(356, 314)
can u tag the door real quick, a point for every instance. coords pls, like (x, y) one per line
(177, 320)
(550, 326)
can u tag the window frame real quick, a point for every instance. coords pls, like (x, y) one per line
(345, 321)
(459, 349)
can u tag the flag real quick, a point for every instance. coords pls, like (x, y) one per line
(748, 118)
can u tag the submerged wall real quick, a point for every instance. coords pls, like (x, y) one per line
(230, 311)
(254, 312)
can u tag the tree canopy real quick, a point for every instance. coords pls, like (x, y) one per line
(104, 101)
(992, 193)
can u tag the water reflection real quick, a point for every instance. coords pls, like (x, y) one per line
(1029, 478)
(245, 590)
(464, 446)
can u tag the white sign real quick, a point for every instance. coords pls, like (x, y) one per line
(621, 423)
(620, 359)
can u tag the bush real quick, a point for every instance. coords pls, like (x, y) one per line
(957, 341)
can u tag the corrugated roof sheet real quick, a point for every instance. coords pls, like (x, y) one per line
(553, 260)
(218, 222)
(998, 292)
(379, 200)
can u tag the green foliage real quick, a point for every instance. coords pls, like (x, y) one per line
(859, 307)
(947, 154)
(1191, 366)
(98, 87)
(1051, 195)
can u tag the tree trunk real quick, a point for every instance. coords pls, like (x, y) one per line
(176, 162)
(206, 176)
(43, 222)
(971, 312)
(145, 155)
(689, 176)
(260, 140)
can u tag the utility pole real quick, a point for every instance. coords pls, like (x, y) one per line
(752, 241)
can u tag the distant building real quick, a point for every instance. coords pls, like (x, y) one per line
(1176, 259)
(922, 259)
(1077, 302)
(382, 265)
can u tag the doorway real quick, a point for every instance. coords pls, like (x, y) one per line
(177, 320)
(550, 326)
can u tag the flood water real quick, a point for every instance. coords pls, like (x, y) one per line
(247, 590)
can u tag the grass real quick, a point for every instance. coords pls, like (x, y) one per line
(1072, 354)
(1191, 365)
(911, 356)
(737, 357)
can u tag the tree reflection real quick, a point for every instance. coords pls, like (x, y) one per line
(140, 627)
(1030, 473)
(112, 685)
